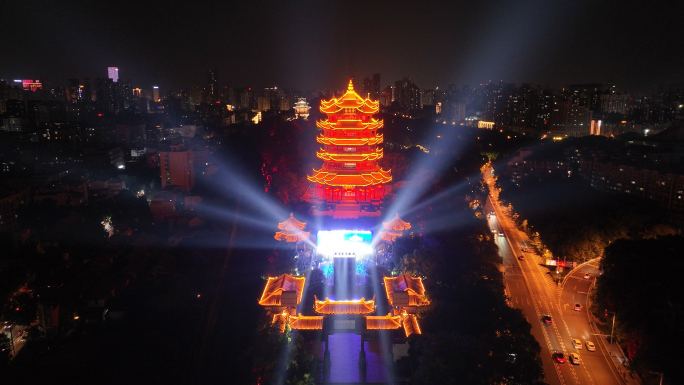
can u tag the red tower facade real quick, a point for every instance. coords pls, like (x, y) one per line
(351, 148)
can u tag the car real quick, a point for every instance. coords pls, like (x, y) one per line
(575, 359)
(489, 216)
(547, 319)
(494, 230)
(590, 346)
(577, 343)
(522, 257)
(501, 234)
(559, 357)
(577, 307)
(492, 213)
(587, 275)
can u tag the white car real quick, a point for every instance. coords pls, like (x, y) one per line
(577, 343)
(575, 359)
(590, 346)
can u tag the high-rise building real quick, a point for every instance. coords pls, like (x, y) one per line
(113, 73)
(74, 91)
(105, 94)
(366, 90)
(615, 103)
(350, 183)
(568, 119)
(87, 92)
(212, 91)
(407, 94)
(180, 166)
(375, 87)
(155, 93)
(263, 103)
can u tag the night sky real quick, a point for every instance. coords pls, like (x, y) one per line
(307, 45)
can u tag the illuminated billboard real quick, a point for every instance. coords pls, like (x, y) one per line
(30, 84)
(344, 243)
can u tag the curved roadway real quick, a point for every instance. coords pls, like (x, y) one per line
(532, 289)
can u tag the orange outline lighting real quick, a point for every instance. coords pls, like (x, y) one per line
(328, 306)
(349, 124)
(275, 286)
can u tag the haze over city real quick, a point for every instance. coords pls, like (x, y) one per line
(341, 192)
(317, 45)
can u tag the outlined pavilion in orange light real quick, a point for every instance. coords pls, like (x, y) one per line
(394, 228)
(282, 291)
(291, 230)
(351, 148)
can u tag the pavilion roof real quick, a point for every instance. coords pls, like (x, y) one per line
(351, 124)
(291, 236)
(396, 224)
(303, 322)
(410, 323)
(359, 306)
(275, 286)
(335, 179)
(414, 287)
(291, 224)
(384, 322)
(373, 140)
(350, 157)
(350, 100)
(390, 235)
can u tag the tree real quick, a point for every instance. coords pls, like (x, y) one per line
(646, 299)
(5, 350)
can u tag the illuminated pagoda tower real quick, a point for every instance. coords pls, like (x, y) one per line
(350, 183)
(302, 108)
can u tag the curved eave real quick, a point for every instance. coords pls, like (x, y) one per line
(342, 180)
(298, 236)
(344, 307)
(291, 224)
(365, 107)
(350, 100)
(350, 124)
(397, 224)
(378, 139)
(350, 157)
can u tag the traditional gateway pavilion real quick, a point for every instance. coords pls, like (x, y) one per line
(350, 183)
(353, 332)
(349, 327)
(282, 296)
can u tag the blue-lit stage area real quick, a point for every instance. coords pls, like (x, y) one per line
(350, 352)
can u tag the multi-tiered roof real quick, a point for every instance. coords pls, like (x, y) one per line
(350, 140)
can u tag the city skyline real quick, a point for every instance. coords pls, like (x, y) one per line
(314, 46)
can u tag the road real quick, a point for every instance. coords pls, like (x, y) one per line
(17, 335)
(532, 289)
